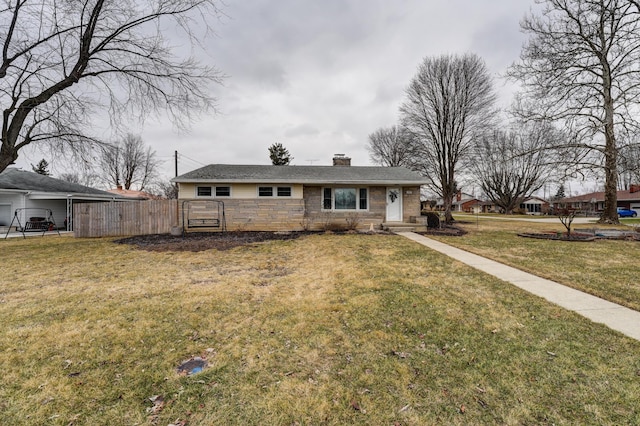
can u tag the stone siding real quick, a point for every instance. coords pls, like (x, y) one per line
(280, 214)
(262, 215)
(318, 219)
(410, 203)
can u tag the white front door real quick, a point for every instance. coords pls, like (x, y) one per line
(394, 204)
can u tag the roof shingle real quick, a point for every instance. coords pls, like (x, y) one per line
(28, 181)
(229, 173)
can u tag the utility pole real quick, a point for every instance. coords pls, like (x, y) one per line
(176, 162)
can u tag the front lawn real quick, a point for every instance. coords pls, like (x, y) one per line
(607, 269)
(325, 329)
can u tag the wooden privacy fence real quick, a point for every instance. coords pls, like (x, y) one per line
(122, 218)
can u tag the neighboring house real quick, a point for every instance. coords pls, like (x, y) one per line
(463, 203)
(535, 206)
(489, 207)
(593, 202)
(469, 205)
(261, 197)
(20, 189)
(135, 195)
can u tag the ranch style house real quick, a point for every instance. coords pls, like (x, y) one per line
(287, 198)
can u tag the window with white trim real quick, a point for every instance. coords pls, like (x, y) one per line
(203, 191)
(274, 191)
(209, 191)
(284, 191)
(223, 191)
(345, 199)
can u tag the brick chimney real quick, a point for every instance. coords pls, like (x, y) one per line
(341, 160)
(459, 196)
(634, 188)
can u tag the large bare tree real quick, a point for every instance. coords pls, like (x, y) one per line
(390, 146)
(129, 163)
(63, 61)
(581, 66)
(449, 99)
(510, 165)
(629, 163)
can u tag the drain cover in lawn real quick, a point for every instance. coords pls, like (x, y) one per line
(192, 366)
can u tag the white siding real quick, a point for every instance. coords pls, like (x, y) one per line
(8, 204)
(58, 207)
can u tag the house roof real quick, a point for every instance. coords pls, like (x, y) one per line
(20, 180)
(466, 201)
(231, 173)
(599, 196)
(129, 193)
(535, 200)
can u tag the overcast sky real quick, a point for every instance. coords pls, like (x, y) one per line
(320, 76)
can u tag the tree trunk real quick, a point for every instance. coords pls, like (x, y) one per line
(7, 156)
(447, 200)
(610, 213)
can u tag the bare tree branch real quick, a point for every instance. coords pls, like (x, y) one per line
(390, 147)
(449, 99)
(128, 163)
(581, 67)
(90, 55)
(511, 165)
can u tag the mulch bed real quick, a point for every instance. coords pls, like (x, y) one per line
(199, 241)
(559, 236)
(447, 231)
(584, 236)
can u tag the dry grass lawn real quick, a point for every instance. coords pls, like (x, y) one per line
(604, 268)
(326, 329)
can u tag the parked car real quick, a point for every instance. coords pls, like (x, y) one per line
(626, 212)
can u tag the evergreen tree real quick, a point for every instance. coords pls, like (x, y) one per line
(42, 168)
(279, 155)
(560, 192)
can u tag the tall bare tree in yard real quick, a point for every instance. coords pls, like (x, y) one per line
(581, 66)
(629, 165)
(129, 163)
(449, 99)
(390, 146)
(63, 61)
(510, 165)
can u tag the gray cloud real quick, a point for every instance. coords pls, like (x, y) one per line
(321, 76)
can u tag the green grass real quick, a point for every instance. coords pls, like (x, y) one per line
(328, 329)
(630, 221)
(608, 269)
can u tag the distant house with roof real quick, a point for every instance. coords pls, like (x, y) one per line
(593, 202)
(32, 194)
(133, 194)
(266, 197)
(463, 202)
(535, 206)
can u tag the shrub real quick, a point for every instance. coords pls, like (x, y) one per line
(433, 220)
(353, 220)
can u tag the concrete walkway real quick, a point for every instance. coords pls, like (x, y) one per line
(614, 316)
